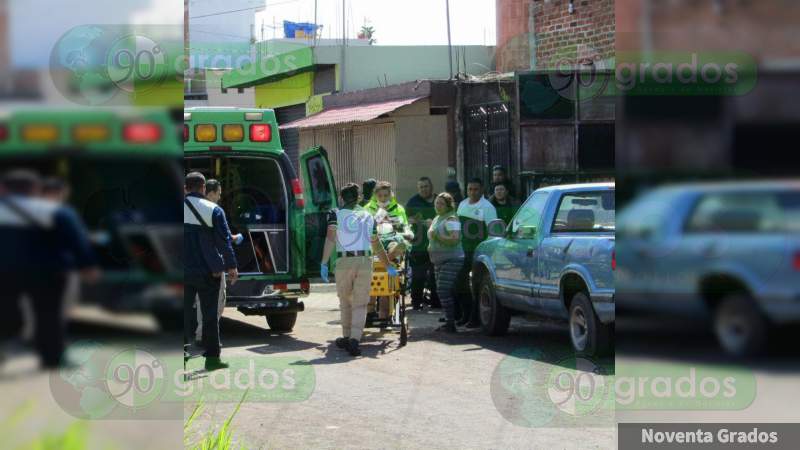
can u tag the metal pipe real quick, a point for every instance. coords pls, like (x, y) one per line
(449, 44)
(344, 44)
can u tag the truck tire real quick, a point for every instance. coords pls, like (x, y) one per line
(495, 318)
(740, 327)
(282, 323)
(589, 336)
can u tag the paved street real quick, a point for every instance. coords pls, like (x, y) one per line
(437, 392)
(434, 393)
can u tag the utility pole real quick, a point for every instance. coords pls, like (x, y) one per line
(344, 44)
(449, 44)
(186, 47)
(315, 23)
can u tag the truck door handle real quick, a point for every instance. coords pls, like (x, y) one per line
(530, 252)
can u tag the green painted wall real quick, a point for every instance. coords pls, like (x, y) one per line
(288, 91)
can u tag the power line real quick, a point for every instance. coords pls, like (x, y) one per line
(243, 9)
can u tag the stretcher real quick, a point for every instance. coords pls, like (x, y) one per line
(387, 306)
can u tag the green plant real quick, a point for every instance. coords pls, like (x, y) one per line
(366, 33)
(74, 437)
(221, 439)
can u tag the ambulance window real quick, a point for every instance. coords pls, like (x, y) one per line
(321, 193)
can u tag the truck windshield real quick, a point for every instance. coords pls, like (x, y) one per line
(767, 211)
(585, 212)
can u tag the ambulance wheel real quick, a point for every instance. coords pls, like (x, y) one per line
(282, 323)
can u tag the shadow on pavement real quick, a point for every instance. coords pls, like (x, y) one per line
(549, 339)
(692, 341)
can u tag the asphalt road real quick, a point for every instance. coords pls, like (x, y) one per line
(436, 392)
(440, 391)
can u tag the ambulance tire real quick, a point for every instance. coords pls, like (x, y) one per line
(282, 323)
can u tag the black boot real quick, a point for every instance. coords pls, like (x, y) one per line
(214, 363)
(352, 348)
(342, 342)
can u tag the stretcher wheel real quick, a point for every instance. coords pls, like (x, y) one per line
(403, 325)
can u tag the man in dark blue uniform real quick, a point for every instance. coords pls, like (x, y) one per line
(420, 212)
(41, 242)
(207, 252)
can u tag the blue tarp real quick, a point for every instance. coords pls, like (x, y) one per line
(290, 29)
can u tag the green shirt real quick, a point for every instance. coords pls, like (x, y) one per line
(440, 250)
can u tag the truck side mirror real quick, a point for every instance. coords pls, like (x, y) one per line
(496, 228)
(527, 232)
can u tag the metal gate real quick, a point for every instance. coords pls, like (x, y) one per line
(487, 140)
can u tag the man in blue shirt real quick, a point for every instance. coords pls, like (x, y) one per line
(41, 241)
(207, 253)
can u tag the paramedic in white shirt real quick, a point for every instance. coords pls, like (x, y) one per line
(475, 212)
(352, 232)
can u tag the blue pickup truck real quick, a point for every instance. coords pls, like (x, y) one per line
(556, 260)
(728, 252)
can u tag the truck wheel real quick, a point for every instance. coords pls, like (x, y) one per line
(495, 318)
(169, 320)
(282, 323)
(740, 326)
(589, 336)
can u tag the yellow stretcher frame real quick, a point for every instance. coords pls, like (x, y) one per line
(383, 285)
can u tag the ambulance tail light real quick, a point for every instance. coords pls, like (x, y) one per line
(185, 133)
(297, 190)
(3, 132)
(796, 261)
(90, 133)
(232, 133)
(260, 132)
(141, 133)
(305, 286)
(205, 132)
(40, 133)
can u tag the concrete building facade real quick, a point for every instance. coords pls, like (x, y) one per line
(404, 133)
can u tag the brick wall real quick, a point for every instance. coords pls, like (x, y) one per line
(766, 29)
(555, 33)
(513, 39)
(562, 36)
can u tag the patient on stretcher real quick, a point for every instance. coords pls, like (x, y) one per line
(393, 234)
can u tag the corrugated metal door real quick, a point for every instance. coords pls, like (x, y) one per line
(374, 152)
(290, 139)
(357, 153)
(340, 153)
